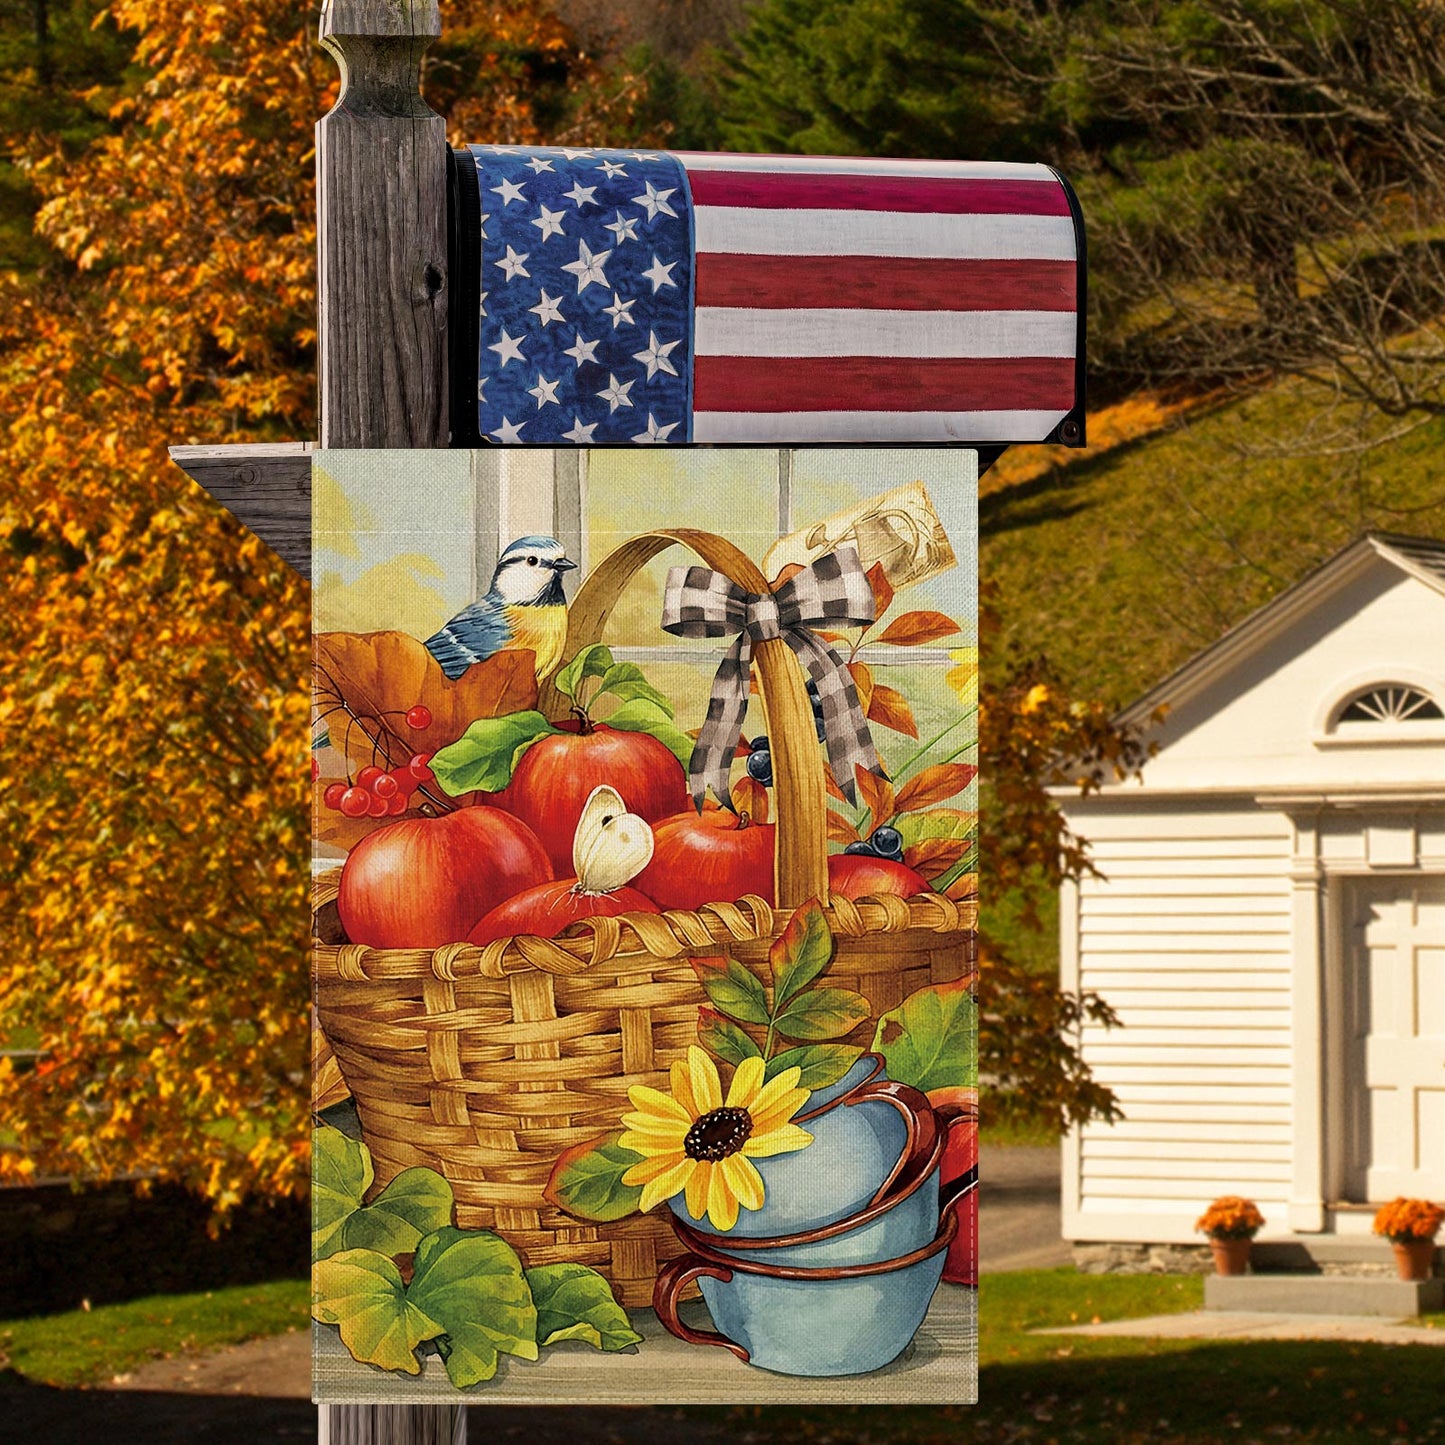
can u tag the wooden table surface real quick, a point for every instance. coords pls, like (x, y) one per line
(939, 1368)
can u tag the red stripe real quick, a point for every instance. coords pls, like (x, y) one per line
(870, 383)
(885, 283)
(791, 191)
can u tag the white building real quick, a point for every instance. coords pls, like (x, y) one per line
(1270, 923)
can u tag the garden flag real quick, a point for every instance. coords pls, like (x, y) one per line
(645, 879)
(655, 297)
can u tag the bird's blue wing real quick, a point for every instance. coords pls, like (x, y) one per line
(473, 635)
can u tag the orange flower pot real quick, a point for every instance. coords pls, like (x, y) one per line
(1231, 1256)
(1414, 1257)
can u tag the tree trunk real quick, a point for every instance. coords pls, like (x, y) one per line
(44, 60)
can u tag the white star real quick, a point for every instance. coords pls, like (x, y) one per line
(503, 150)
(655, 357)
(509, 348)
(581, 195)
(548, 309)
(549, 223)
(660, 275)
(612, 169)
(481, 388)
(509, 193)
(645, 156)
(653, 201)
(482, 299)
(539, 165)
(581, 351)
(483, 231)
(615, 392)
(623, 229)
(509, 432)
(545, 391)
(618, 311)
(588, 267)
(654, 433)
(579, 433)
(575, 155)
(514, 264)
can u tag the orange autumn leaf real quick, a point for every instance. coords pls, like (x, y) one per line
(914, 629)
(889, 707)
(935, 785)
(882, 589)
(933, 857)
(840, 830)
(862, 676)
(876, 794)
(751, 797)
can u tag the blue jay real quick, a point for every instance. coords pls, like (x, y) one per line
(524, 608)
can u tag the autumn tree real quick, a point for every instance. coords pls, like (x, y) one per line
(154, 818)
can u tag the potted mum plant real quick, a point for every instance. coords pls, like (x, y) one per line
(1231, 1223)
(1411, 1226)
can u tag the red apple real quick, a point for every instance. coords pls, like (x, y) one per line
(423, 882)
(557, 774)
(856, 875)
(547, 909)
(709, 857)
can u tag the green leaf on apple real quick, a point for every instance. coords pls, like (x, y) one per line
(641, 715)
(624, 680)
(821, 1064)
(592, 661)
(575, 1303)
(801, 952)
(486, 754)
(724, 1039)
(341, 1173)
(733, 989)
(362, 1292)
(472, 1283)
(586, 1180)
(929, 1039)
(823, 1013)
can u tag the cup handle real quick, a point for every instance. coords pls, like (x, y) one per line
(671, 1281)
(957, 1190)
(911, 1104)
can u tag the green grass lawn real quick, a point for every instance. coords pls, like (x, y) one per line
(85, 1347)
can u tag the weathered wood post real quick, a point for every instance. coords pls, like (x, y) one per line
(381, 293)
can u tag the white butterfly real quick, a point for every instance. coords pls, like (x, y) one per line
(611, 846)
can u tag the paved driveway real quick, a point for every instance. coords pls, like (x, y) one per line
(1018, 1210)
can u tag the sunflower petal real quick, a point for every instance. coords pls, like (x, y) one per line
(653, 1101)
(744, 1181)
(722, 1204)
(746, 1081)
(706, 1086)
(650, 1146)
(682, 1088)
(697, 1187)
(778, 1110)
(782, 1140)
(666, 1185)
(656, 1128)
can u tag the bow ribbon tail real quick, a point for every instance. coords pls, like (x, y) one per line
(845, 728)
(712, 757)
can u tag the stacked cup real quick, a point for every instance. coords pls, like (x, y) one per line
(834, 1274)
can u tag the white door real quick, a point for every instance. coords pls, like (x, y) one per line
(1397, 956)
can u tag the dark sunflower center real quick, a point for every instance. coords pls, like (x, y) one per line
(718, 1134)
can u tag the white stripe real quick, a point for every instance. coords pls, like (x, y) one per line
(854, 166)
(740, 331)
(746, 230)
(875, 426)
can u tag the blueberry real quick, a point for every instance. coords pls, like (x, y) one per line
(760, 767)
(888, 842)
(759, 744)
(865, 850)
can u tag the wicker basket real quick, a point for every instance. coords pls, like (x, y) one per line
(485, 1063)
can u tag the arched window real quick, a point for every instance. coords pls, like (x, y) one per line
(1390, 702)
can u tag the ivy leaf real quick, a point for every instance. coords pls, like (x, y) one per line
(934, 1038)
(592, 661)
(732, 989)
(724, 1039)
(485, 755)
(640, 715)
(801, 952)
(415, 1203)
(575, 1303)
(625, 680)
(823, 1013)
(471, 1282)
(341, 1173)
(821, 1064)
(362, 1292)
(586, 1181)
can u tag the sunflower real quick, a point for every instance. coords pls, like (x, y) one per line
(698, 1142)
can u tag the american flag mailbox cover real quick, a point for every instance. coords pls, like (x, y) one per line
(636, 297)
(645, 891)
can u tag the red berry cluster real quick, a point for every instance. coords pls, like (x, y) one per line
(377, 792)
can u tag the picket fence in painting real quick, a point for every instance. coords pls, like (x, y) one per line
(645, 858)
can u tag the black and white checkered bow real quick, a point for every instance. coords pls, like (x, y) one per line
(834, 590)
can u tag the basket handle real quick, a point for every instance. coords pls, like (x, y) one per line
(800, 799)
